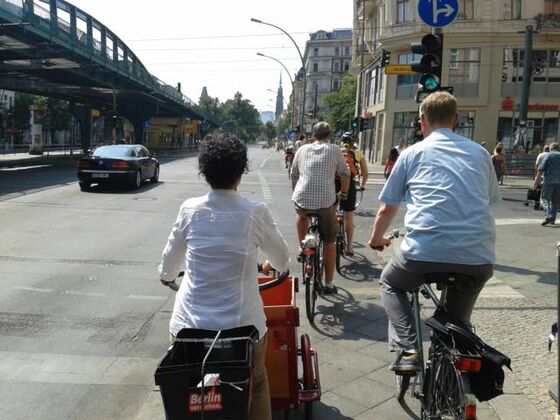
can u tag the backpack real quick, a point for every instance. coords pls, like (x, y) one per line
(350, 158)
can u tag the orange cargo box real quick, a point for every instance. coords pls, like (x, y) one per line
(282, 319)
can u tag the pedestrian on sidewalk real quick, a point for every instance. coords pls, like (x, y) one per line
(548, 174)
(499, 161)
(449, 185)
(391, 160)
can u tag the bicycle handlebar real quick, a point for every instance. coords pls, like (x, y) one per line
(394, 234)
(264, 286)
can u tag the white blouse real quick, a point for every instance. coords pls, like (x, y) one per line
(215, 241)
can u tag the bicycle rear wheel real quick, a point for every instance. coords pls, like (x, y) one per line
(445, 394)
(403, 382)
(310, 294)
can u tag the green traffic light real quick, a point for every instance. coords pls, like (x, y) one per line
(429, 82)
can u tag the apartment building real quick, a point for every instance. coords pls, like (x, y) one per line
(327, 58)
(482, 60)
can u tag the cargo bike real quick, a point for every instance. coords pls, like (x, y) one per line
(207, 374)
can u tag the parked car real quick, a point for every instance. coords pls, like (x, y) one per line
(128, 163)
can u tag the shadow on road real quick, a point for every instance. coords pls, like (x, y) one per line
(358, 268)
(549, 277)
(122, 188)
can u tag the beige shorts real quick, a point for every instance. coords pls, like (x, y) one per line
(327, 221)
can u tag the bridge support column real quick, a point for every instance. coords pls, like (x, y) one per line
(138, 124)
(83, 115)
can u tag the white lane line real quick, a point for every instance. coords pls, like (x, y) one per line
(264, 163)
(265, 187)
(33, 289)
(144, 297)
(89, 294)
(509, 222)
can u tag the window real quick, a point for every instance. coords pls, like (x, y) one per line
(315, 52)
(372, 87)
(407, 84)
(512, 9)
(346, 50)
(346, 66)
(454, 57)
(552, 7)
(464, 76)
(336, 51)
(336, 84)
(466, 10)
(546, 73)
(315, 67)
(402, 127)
(336, 66)
(403, 11)
(465, 126)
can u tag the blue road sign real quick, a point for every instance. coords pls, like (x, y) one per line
(437, 13)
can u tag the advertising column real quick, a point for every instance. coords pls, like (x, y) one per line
(36, 129)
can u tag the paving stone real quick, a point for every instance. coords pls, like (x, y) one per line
(365, 392)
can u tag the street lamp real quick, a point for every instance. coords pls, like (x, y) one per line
(302, 65)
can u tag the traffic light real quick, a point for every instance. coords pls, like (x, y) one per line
(430, 65)
(356, 123)
(385, 57)
(417, 134)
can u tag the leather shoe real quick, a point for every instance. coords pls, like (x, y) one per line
(546, 222)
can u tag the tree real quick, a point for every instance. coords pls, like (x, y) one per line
(242, 118)
(269, 131)
(342, 104)
(213, 108)
(18, 116)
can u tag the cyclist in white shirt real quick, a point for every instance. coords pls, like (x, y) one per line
(215, 240)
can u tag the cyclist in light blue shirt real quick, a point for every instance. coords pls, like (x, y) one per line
(448, 184)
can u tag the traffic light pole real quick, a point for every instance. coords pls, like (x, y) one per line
(362, 53)
(527, 71)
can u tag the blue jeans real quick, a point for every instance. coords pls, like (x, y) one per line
(550, 197)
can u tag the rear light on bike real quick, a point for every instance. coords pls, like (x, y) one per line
(309, 252)
(470, 407)
(339, 218)
(308, 269)
(465, 364)
(121, 164)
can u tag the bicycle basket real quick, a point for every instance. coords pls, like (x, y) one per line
(489, 381)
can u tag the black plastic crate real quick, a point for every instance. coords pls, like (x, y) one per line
(179, 374)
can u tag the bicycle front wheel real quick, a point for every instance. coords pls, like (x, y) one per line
(339, 251)
(446, 390)
(310, 294)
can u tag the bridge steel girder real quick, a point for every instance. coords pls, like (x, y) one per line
(54, 39)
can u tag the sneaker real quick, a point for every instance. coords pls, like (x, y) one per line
(407, 362)
(546, 222)
(349, 252)
(330, 289)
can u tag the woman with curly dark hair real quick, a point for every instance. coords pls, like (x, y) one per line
(215, 240)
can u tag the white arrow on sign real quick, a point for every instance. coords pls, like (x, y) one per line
(447, 9)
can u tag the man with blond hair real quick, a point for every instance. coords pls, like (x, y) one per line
(448, 184)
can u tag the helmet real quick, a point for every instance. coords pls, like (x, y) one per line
(348, 137)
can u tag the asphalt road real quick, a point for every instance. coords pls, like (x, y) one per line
(83, 318)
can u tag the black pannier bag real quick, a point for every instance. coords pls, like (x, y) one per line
(489, 382)
(179, 374)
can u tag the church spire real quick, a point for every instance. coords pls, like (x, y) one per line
(279, 100)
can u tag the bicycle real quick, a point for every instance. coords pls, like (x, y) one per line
(446, 385)
(312, 265)
(359, 190)
(341, 240)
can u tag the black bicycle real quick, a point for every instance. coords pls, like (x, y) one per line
(313, 253)
(446, 385)
(341, 240)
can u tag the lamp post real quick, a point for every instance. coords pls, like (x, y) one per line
(302, 65)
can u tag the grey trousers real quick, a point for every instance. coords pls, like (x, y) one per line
(401, 275)
(550, 198)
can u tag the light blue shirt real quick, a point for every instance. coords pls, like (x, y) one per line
(449, 184)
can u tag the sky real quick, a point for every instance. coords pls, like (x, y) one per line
(214, 44)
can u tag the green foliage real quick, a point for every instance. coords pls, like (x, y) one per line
(242, 118)
(342, 104)
(19, 114)
(57, 114)
(269, 130)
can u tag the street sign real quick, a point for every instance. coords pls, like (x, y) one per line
(438, 13)
(399, 69)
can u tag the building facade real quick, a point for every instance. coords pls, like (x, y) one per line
(482, 61)
(327, 58)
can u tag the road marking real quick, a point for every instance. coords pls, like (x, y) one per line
(33, 289)
(89, 294)
(510, 221)
(265, 187)
(264, 163)
(145, 297)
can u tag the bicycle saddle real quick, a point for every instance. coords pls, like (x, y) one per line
(453, 280)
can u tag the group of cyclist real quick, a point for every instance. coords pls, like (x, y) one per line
(447, 182)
